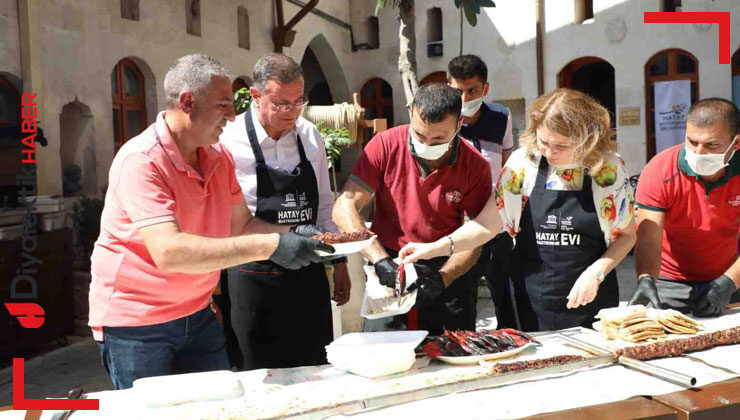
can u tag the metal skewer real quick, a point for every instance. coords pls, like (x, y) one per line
(659, 372)
(667, 375)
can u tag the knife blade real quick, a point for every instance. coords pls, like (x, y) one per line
(400, 283)
(74, 394)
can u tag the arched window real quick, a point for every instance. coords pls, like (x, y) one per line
(129, 102)
(434, 24)
(10, 103)
(239, 83)
(593, 76)
(130, 9)
(437, 76)
(671, 6)
(376, 96)
(242, 18)
(192, 17)
(584, 11)
(667, 65)
(736, 78)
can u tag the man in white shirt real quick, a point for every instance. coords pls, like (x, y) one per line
(282, 318)
(487, 126)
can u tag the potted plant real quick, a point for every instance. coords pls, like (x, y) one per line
(334, 140)
(86, 215)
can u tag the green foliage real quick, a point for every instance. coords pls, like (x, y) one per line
(381, 4)
(242, 99)
(86, 215)
(471, 8)
(333, 140)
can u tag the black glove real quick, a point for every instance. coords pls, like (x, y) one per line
(307, 230)
(646, 292)
(429, 285)
(386, 271)
(716, 298)
(295, 251)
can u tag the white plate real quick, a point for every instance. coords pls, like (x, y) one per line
(471, 360)
(347, 248)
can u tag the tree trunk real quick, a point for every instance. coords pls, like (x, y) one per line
(407, 49)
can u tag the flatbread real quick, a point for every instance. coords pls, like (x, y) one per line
(642, 336)
(676, 328)
(621, 314)
(638, 321)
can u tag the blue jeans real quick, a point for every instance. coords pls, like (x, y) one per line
(194, 343)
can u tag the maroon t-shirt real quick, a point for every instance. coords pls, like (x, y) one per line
(410, 207)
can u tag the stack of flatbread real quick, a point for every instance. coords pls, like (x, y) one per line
(637, 323)
(674, 322)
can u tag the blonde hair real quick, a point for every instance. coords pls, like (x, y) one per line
(578, 117)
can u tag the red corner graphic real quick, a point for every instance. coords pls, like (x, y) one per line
(722, 19)
(30, 315)
(20, 403)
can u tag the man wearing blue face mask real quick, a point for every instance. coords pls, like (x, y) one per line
(689, 216)
(487, 126)
(425, 180)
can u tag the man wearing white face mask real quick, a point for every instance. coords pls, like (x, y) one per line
(425, 180)
(487, 126)
(689, 216)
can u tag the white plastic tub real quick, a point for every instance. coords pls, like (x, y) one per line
(374, 354)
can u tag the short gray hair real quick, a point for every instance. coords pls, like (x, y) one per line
(277, 66)
(191, 73)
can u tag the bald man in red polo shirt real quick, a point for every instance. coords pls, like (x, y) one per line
(425, 180)
(686, 254)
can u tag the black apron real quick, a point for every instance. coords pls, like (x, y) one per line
(560, 237)
(281, 317)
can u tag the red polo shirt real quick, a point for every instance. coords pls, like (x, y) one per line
(411, 207)
(702, 220)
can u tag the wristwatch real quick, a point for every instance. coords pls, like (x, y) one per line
(599, 275)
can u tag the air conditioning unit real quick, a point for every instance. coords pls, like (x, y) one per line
(435, 49)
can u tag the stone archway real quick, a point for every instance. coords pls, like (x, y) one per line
(330, 67)
(77, 147)
(593, 76)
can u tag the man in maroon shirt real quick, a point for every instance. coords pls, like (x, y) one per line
(425, 180)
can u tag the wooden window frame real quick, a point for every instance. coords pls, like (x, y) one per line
(379, 101)
(673, 74)
(435, 76)
(123, 102)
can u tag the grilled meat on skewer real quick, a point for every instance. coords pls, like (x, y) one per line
(339, 238)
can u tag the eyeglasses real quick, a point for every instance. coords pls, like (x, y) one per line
(285, 107)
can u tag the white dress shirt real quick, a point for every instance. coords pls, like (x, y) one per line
(279, 154)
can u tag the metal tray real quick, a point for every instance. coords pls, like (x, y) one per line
(45, 203)
(52, 221)
(11, 233)
(11, 217)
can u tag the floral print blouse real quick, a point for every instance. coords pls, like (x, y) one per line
(613, 195)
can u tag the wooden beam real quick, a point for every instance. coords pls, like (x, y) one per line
(283, 35)
(301, 14)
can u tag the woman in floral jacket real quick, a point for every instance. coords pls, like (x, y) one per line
(571, 214)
